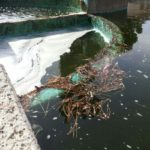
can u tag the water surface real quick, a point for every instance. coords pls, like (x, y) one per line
(27, 59)
(129, 125)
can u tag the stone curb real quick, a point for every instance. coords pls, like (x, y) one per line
(15, 130)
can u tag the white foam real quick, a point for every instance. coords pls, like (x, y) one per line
(106, 39)
(32, 56)
(9, 16)
(15, 17)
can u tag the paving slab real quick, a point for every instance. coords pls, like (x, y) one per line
(15, 130)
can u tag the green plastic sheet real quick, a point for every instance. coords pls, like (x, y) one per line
(45, 95)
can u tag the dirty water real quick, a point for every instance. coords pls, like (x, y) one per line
(129, 125)
(31, 56)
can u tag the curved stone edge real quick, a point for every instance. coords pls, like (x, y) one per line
(15, 130)
(108, 28)
(38, 25)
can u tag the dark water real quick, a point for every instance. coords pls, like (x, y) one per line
(81, 50)
(129, 125)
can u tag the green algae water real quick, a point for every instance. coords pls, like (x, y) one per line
(129, 125)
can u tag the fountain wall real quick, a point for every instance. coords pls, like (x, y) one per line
(43, 24)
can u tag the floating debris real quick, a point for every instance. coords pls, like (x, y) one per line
(105, 148)
(139, 71)
(55, 118)
(80, 139)
(125, 118)
(36, 128)
(48, 137)
(136, 101)
(34, 116)
(46, 95)
(130, 76)
(121, 104)
(76, 78)
(146, 76)
(121, 95)
(34, 112)
(128, 146)
(140, 115)
(126, 108)
(89, 118)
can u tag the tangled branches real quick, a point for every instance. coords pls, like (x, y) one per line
(85, 98)
(74, 109)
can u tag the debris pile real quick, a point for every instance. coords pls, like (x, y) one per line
(84, 92)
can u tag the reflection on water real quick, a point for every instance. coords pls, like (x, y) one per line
(105, 6)
(82, 49)
(130, 27)
(129, 126)
(138, 8)
(130, 21)
(132, 7)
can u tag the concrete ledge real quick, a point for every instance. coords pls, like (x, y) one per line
(43, 24)
(15, 130)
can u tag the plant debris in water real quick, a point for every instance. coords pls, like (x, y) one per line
(86, 97)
